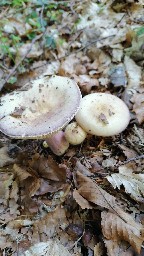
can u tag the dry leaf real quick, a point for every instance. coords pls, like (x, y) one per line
(133, 184)
(94, 193)
(82, 169)
(52, 68)
(4, 158)
(138, 107)
(19, 223)
(29, 181)
(109, 162)
(115, 228)
(67, 66)
(35, 51)
(48, 168)
(21, 172)
(93, 17)
(13, 25)
(134, 73)
(4, 241)
(84, 204)
(49, 224)
(119, 248)
(6, 179)
(51, 247)
(85, 82)
(98, 249)
(120, 225)
(129, 153)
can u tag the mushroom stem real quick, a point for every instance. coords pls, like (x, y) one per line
(58, 143)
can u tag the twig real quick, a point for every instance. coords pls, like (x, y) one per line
(82, 48)
(130, 160)
(41, 16)
(138, 133)
(20, 61)
(93, 42)
(2, 14)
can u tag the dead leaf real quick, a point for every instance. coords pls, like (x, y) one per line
(52, 68)
(86, 82)
(35, 51)
(13, 25)
(133, 184)
(4, 241)
(19, 223)
(115, 228)
(133, 72)
(84, 204)
(28, 180)
(129, 153)
(48, 168)
(51, 247)
(119, 248)
(138, 107)
(128, 230)
(5, 180)
(67, 67)
(94, 193)
(49, 224)
(109, 162)
(5, 159)
(98, 249)
(21, 172)
(82, 169)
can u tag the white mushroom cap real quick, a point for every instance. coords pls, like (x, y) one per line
(75, 134)
(103, 114)
(39, 109)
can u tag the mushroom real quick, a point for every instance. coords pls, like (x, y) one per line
(40, 108)
(57, 143)
(103, 114)
(74, 134)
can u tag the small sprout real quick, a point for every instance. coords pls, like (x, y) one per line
(45, 144)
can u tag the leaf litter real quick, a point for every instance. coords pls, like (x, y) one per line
(89, 201)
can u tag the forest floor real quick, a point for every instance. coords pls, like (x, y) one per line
(89, 201)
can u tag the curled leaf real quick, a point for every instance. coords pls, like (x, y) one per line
(115, 228)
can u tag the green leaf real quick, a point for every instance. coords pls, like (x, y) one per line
(140, 31)
(12, 80)
(4, 2)
(50, 42)
(15, 39)
(19, 3)
(31, 35)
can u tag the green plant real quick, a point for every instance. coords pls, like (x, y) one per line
(50, 42)
(5, 46)
(12, 80)
(18, 3)
(36, 22)
(140, 31)
(15, 3)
